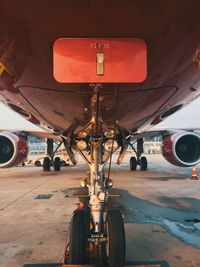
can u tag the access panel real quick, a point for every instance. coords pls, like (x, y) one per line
(99, 60)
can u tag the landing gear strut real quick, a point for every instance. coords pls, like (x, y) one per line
(96, 143)
(138, 160)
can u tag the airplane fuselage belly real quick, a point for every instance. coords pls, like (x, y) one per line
(28, 31)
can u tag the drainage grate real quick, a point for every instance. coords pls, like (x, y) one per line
(44, 196)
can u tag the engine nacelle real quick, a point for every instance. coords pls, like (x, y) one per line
(182, 149)
(13, 149)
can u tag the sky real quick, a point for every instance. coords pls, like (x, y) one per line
(188, 117)
(11, 120)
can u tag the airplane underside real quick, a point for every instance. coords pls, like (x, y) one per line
(96, 116)
(26, 56)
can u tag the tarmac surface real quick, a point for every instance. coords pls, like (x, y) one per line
(161, 210)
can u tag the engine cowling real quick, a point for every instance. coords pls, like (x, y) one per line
(182, 149)
(13, 149)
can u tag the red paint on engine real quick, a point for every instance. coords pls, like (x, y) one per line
(20, 151)
(169, 149)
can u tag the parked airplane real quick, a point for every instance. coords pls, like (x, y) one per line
(98, 74)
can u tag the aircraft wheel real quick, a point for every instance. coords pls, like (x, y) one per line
(115, 245)
(143, 164)
(78, 238)
(46, 164)
(133, 163)
(103, 254)
(57, 164)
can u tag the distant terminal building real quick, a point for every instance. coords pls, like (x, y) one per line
(38, 151)
(152, 145)
(37, 146)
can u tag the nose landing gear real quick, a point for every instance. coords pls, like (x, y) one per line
(96, 143)
(111, 239)
(52, 159)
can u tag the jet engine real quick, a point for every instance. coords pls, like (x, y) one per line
(13, 149)
(182, 149)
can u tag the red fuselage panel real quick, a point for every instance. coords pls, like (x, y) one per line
(99, 60)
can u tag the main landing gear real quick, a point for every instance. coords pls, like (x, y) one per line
(92, 227)
(47, 163)
(138, 160)
(51, 160)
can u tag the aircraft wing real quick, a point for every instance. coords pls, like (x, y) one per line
(40, 134)
(149, 134)
(159, 132)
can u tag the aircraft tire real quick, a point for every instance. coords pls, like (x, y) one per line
(57, 164)
(102, 254)
(46, 164)
(115, 245)
(143, 164)
(133, 163)
(78, 238)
